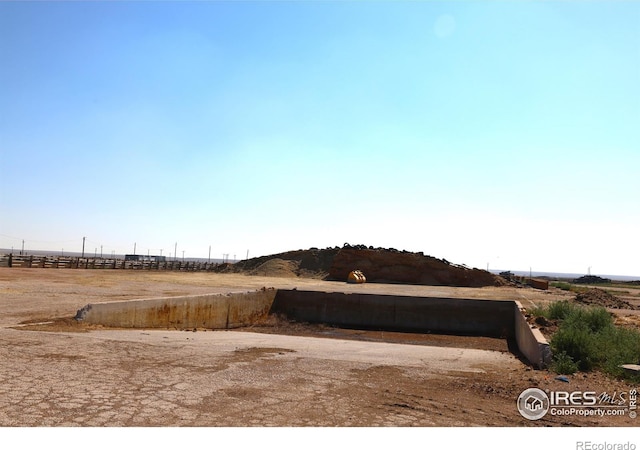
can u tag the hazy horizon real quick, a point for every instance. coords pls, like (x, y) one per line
(239, 258)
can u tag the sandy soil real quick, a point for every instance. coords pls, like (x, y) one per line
(68, 375)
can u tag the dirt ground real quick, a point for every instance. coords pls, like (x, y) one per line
(278, 374)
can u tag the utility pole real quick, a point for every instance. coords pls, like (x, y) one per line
(175, 252)
(247, 258)
(182, 255)
(82, 246)
(22, 251)
(134, 247)
(101, 251)
(209, 254)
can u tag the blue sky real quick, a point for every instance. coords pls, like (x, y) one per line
(488, 133)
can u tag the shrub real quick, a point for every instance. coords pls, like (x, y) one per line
(576, 342)
(563, 364)
(538, 311)
(620, 346)
(560, 310)
(562, 285)
(592, 318)
(587, 339)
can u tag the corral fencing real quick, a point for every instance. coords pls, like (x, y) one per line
(61, 262)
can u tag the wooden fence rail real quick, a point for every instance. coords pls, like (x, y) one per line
(61, 262)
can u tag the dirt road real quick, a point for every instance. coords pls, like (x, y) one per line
(66, 376)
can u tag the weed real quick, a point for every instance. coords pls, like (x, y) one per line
(593, 319)
(587, 339)
(538, 311)
(576, 342)
(561, 285)
(560, 310)
(563, 364)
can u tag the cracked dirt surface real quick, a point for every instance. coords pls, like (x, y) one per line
(129, 378)
(223, 378)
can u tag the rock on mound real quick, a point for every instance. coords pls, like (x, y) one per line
(599, 297)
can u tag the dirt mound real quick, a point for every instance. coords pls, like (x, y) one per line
(394, 266)
(311, 263)
(277, 267)
(598, 297)
(591, 279)
(378, 265)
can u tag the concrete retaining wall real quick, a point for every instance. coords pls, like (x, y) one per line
(496, 318)
(400, 313)
(217, 311)
(531, 343)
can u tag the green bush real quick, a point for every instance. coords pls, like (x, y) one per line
(562, 285)
(587, 339)
(560, 310)
(620, 346)
(563, 364)
(592, 318)
(576, 342)
(538, 311)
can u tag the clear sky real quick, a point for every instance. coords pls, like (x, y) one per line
(488, 133)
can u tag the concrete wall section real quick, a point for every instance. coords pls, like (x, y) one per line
(498, 318)
(217, 311)
(401, 313)
(531, 342)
